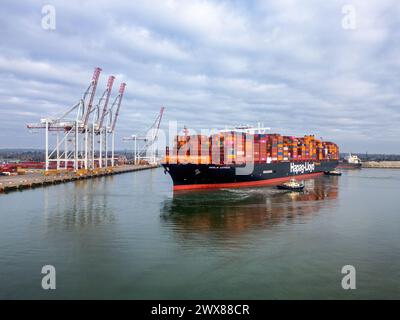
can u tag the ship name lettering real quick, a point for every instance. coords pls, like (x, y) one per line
(301, 168)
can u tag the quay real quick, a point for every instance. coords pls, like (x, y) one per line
(381, 164)
(42, 178)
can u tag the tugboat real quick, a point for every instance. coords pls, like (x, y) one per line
(350, 162)
(333, 173)
(292, 185)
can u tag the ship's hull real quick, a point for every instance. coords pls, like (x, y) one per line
(346, 165)
(206, 176)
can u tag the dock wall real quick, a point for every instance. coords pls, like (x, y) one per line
(34, 180)
(381, 164)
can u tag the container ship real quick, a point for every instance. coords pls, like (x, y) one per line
(244, 157)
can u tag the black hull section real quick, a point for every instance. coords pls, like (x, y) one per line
(199, 176)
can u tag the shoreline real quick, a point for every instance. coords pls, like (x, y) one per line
(30, 181)
(381, 164)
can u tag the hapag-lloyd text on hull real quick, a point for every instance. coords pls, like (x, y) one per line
(301, 168)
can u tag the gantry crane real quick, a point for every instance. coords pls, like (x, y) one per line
(147, 150)
(78, 129)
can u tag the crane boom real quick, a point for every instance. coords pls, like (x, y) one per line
(92, 90)
(107, 93)
(159, 121)
(118, 101)
(156, 127)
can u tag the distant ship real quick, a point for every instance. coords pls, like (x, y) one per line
(350, 162)
(216, 161)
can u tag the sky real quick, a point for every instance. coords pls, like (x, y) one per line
(329, 68)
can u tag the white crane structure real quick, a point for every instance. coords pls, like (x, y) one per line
(83, 131)
(145, 144)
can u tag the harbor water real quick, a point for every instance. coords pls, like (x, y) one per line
(130, 237)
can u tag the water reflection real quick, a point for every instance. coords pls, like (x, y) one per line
(78, 204)
(231, 212)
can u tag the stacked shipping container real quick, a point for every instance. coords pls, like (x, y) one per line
(238, 148)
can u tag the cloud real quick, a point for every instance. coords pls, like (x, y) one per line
(146, 43)
(289, 64)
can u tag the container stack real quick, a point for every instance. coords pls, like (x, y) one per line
(319, 150)
(180, 151)
(256, 152)
(274, 152)
(194, 149)
(249, 149)
(217, 149)
(293, 149)
(229, 139)
(280, 148)
(287, 144)
(263, 148)
(241, 148)
(332, 150)
(205, 149)
(232, 147)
